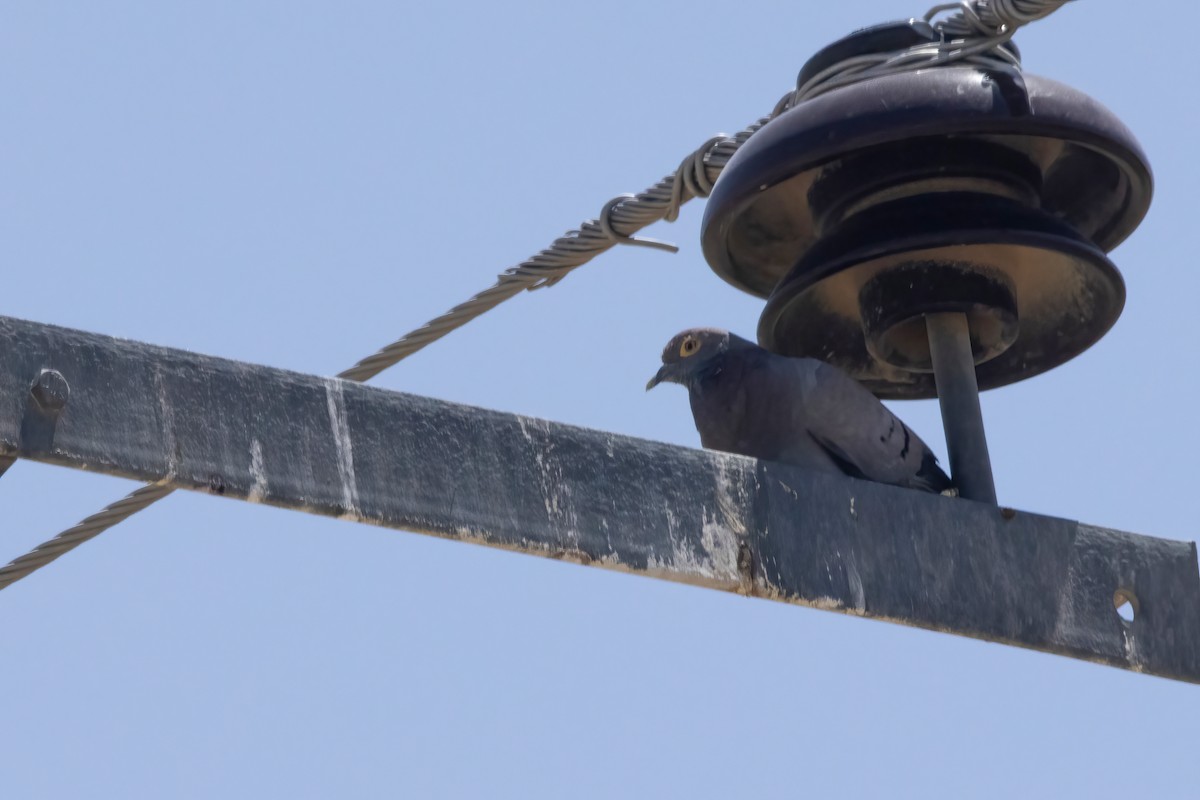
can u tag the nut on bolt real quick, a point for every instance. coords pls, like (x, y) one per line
(50, 390)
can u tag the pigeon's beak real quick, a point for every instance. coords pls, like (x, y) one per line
(658, 378)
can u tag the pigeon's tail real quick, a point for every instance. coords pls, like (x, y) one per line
(930, 476)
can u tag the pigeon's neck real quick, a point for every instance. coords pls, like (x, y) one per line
(715, 370)
(737, 343)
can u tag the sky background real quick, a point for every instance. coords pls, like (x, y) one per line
(297, 184)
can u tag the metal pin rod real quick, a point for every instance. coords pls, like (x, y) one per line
(958, 393)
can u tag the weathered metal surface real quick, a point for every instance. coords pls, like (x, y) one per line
(332, 447)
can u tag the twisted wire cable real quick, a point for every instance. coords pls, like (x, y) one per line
(975, 34)
(992, 17)
(620, 218)
(89, 528)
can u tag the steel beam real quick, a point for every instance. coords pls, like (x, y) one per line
(328, 446)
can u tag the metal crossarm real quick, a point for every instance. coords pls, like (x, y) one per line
(333, 447)
(971, 32)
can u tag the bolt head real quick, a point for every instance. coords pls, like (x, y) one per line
(51, 390)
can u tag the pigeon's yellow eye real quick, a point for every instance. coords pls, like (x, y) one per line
(690, 345)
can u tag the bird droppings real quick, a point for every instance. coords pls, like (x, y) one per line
(556, 493)
(340, 426)
(857, 595)
(167, 414)
(715, 560)
(1130, 648)
(258, 489)
(732, 497)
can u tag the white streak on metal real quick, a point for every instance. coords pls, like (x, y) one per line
(167, 412)
(259, 488)
(556, 494)
(855, 582)
(715, 557)
(721, 544)
(731, 501)
(340, 425)
(1136, 662)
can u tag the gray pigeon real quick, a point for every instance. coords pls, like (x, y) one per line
(799, 411)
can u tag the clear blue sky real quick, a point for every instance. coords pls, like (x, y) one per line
(297, 183)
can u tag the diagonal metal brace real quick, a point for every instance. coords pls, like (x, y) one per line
(333, 447)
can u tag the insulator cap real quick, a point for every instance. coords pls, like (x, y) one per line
(1017, 184)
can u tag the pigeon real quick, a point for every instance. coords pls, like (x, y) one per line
(799, 411)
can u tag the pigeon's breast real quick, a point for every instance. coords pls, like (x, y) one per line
(726, 419)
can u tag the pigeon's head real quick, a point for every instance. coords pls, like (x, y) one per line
(691, 355)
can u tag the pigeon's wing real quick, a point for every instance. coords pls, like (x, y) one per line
(859, 432)
(773, 423)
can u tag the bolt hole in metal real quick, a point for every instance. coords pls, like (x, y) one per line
(1126, 604)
